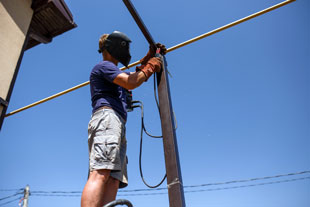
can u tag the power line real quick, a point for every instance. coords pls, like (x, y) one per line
(217, 189)
(248, 180)
(77, 193)
(55, 195)
(1, 199)
(227, 182)
(2, 190)
(16, 199)
(251, 185)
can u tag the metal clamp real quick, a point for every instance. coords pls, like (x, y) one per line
(3, 102)
(175, 182)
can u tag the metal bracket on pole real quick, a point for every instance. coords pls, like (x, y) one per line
(3, 102)
(175, 190)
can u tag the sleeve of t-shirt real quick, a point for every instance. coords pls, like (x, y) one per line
(109, 71)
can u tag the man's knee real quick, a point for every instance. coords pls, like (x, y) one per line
(102, 175)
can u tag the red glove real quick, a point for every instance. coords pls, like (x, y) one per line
(151, 53)
(152, 66)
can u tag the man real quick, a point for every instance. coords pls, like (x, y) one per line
(106, 129)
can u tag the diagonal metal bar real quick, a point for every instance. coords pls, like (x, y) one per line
(173, 170)
(140, 23)
(168, 50)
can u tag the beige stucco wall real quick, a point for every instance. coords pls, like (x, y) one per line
(15, 18)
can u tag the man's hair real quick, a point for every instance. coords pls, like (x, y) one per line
(117, 45)
(102, 41)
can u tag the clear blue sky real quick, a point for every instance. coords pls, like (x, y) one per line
(241, 99)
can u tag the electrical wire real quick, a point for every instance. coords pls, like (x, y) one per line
(55, 192)
(77, 193)
(16, 199)
(229, 182)
(1, 190)
(142, 119)
(10, 196)
(54, 195)
(141, 144)
(251, 185)
(188, 191)
(157, 102)
(217, 189)
(248, 180)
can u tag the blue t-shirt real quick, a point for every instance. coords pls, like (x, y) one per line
(104, 92)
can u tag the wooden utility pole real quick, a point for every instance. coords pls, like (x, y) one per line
(26, 196)
(174, 177)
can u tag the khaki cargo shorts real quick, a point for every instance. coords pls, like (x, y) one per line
(107, 144)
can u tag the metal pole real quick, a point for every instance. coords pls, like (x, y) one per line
(26, 196)
(174, 177)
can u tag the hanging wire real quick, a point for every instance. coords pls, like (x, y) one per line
(141, 144)
(224, 188)
(10, 196)
(168, 50)
(157, 102)
(67, 193)
(3, 204)
(123, 193)
(2, 190)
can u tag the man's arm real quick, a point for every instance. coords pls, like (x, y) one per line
(131, 81)
(135, 79)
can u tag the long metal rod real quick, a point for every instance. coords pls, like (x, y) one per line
(230, 25)
(47, 99)
(140, 23)
(168, 50)
(173, 170)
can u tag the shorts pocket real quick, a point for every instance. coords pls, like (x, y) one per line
(106, 153)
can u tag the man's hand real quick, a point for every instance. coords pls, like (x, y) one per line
(153, 65)
(151, 53)
(162, 48)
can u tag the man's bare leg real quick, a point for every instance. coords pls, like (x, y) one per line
(92, 195)
(110, 190)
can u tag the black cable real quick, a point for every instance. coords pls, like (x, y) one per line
(251, 185)
(157, 103)
(228, 182)
(16, 199)
(55, 192)
(248, 180)
(11, 189)
(142, 119)
(217, 189)
(140, 152)
(155, 94)
(54, 195)
(141, 144)
(187, 186)
(189, 191)
(1, 199)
